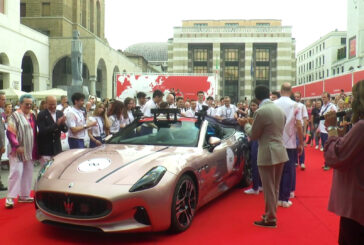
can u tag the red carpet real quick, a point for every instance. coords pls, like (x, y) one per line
(227, 220)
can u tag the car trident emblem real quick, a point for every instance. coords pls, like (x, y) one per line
(68, 206)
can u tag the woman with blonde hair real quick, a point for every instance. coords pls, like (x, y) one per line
(97, 133)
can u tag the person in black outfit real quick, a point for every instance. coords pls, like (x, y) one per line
(50, 123)
(315, 122)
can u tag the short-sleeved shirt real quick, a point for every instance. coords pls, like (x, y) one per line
(147, 108)
(226, 112)
(75, 118)
(98, 129)
(211, 112)
(199, 105)
(114, 124)
(291, 110)
(324, 110)
(303, 110)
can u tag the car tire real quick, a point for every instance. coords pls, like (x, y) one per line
(184, 204)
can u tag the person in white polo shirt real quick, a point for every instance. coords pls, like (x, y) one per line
(326, 107)
(200, 100)
(227, 110)
(76, 122)
(292, 127)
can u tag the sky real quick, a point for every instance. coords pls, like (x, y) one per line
(129, 22)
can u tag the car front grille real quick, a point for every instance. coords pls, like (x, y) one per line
(73, 206)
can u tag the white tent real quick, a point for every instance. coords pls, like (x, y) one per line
(57, 92)
(12, 94)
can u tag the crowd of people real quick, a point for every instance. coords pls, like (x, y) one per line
(277, 145)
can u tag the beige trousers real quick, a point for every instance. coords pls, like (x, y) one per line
(271, 178)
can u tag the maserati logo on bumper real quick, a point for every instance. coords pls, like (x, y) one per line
(68, 206)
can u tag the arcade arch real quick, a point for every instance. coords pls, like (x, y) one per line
(101, 79)
(30, 71)
(4, 76)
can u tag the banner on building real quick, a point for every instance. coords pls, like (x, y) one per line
(128, 85)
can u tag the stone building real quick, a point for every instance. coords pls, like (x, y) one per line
(244, 53)
(24, 52)
(57, 19)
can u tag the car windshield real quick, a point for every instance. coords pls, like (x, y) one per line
(169, 133)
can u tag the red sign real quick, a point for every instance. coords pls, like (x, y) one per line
(314, 89)
(358, 76)
(352, 47)
(300, 89)
(128, 85)
(334, 85)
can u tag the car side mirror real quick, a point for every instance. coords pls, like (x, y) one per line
(213, 142)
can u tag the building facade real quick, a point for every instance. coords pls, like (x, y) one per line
(24, 53)
(57, 19)
(338, 52)
(316, 61)
(243, 53)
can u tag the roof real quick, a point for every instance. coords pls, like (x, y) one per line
(156, 51)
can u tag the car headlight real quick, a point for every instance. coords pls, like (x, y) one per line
(44, 169)
(149, 180)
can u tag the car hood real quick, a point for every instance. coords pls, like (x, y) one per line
(116, 164)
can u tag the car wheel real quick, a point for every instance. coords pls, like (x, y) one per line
(184, 204)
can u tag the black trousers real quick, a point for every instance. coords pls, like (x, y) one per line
(351, 232)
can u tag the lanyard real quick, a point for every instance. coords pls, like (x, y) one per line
(226, 112)
(327, 107)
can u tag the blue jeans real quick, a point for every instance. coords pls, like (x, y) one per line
(301, 159)
(76, 143)
(288, 180)
(253, 158)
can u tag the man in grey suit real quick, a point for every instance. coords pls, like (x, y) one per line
(2, 132)
(267, 127)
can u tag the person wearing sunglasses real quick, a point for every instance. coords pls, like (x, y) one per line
(22, 135)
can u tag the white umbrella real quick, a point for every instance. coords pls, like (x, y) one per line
(12, 93)
(57, 92)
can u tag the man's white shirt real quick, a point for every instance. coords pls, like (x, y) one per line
(324, 110)
(303, 110)
(199, 105)
(147, 108)
(211, 112)
(190, 113)
(75, 118)
(291, 110)
(226, 112)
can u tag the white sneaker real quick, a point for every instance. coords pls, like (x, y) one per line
(291, 195)
(321, 149)
(251, 191)
(9, 203)
(285, 204)
(303, 166)
(316, 147)
(260, 188)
